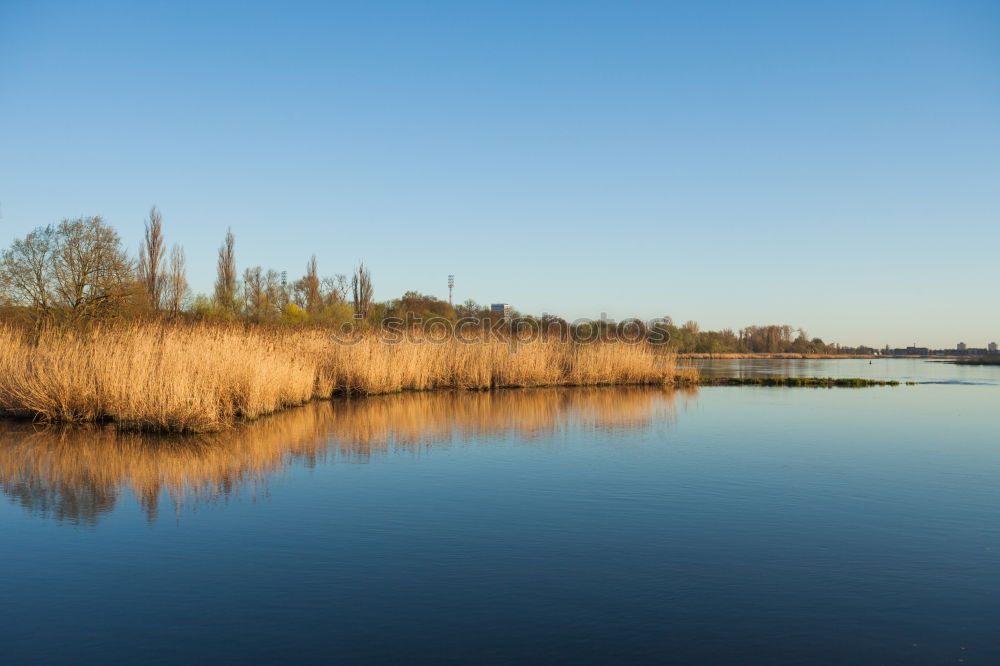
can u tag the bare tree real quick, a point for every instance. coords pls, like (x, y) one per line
(276, 294)
(262, 294)
(336, 289)
(469, 309)
(225, 282)
(177, 284)
(26, 270)
(151, 259)
(255, 293)
(361, 287)
(91, 273)
(310, 287)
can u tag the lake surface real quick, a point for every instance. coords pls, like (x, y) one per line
(901, 369)
(611, 525)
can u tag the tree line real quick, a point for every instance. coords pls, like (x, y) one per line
(78, 271)
(689, 338)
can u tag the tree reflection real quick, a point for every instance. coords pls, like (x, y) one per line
(79, 474)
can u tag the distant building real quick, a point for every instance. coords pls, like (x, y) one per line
(502, 309)
(910, 351)
(961, 349)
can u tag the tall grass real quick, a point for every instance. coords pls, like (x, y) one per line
(150, 377)
(205, 378)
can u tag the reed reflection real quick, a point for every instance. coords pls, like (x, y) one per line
(79, 474)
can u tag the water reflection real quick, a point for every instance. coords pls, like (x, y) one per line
(79, 474)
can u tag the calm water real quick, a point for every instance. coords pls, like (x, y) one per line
(902, 369)
(739, 525)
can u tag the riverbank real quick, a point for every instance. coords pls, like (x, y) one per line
(763, 355)
(202, 378)
(990, 359)
(814, 382)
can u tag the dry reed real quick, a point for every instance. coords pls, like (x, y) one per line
(205, 378)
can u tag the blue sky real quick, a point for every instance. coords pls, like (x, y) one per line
(831, 165)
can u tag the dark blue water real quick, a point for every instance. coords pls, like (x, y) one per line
(725, 525)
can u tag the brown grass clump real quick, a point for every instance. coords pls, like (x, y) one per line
(149, 377)
(205, 378)
(372, 367)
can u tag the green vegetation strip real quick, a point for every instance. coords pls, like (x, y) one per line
(992, 359)
(816, 382)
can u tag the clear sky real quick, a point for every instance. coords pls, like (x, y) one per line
(830, 165)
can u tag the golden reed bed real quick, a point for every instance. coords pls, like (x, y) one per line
(205, 378)
(80, 473)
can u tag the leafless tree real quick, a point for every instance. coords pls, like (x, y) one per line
(225, 282)
(92, 275)
(177, 284)
(277, 296)
(262, 293)
(309, 288)
(26, 270)
(151, 260)
(361, 288)
(336, 289)
(469, 309)
(255, 293)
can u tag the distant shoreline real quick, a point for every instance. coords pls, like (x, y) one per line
(992, 359)
(791, 356)
(775, 355)
(814, 382)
